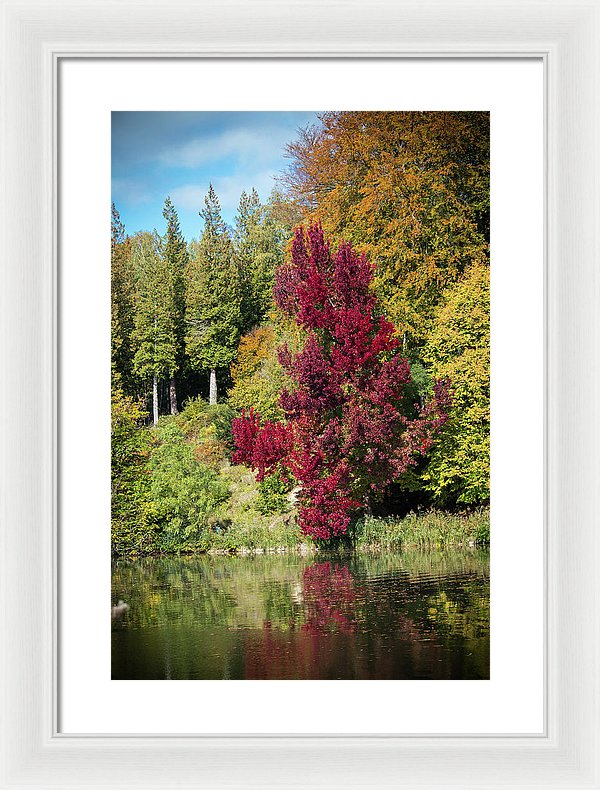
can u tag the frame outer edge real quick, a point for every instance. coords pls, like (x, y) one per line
(31, 757)
(27, 399)
(572, 375)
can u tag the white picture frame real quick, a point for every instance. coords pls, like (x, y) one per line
(35, 36)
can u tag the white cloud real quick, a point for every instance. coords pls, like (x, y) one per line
(130, 190)
(241, 144)
(188, 196)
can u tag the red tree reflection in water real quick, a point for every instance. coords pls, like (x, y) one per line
(313, 650)
(329, 599)
(330, 638)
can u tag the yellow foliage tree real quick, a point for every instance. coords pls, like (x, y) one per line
(459, 347)
(410, 189)
(258, 378)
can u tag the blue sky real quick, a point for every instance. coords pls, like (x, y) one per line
(155, 154)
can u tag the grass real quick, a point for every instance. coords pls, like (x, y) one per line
(248, 531)
(241, 528)
(430, 529)
(245, 538)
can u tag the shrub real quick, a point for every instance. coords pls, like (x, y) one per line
(203, 424)
(186, 493)
(131, 500)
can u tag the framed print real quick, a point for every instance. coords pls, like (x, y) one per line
(529, 717)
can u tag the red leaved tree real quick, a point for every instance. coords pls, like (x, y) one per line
(347, 435)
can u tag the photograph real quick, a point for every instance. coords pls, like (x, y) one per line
(300, 395)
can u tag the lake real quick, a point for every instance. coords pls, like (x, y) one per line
(411, 615)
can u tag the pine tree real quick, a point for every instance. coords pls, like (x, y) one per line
(212, 297)
(154, 335)
(176, 258)
(258, 249)
(122, 297)
(247, 217)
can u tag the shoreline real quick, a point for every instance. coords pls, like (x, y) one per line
(429, 530)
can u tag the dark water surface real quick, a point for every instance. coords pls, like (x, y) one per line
(365, 616)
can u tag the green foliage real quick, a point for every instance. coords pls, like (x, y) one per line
(213, 297)
(459, 347)
(411, 190)
(242, 526)
(186, 493)
(154, 335)
(250, 534)
(421, 380)
(284, 212)
(482, 530)
(194, 417)
(199, 420)
(221, 415)
(272, 495)
(131, 497)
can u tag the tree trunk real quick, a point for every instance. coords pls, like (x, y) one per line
(173, 396)
(155, 399)
(212, 390)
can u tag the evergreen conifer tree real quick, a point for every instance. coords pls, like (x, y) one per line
(154, 334)
(212, 297)
(122, 296)
(258, 246)
(176, 258)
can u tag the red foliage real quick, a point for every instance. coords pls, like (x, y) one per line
(260, 447)
(347, 434)
(329, 599)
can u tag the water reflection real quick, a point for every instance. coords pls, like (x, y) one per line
(412, 615)
(329, 599)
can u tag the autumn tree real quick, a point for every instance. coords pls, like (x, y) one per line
(284, 211)
(213, 298)
(174, 250)
(349, 430)
(257, 374)
(458, 470)
(410, 189)
(154, 335)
